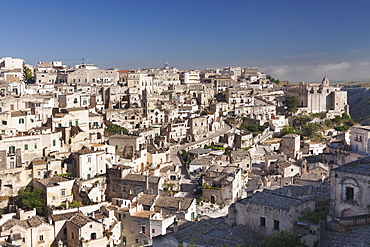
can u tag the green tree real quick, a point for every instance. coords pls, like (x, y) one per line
(288, 130)
(30, 198)
(283, 239)
(27, 74)
(116, 129)
(291, 103)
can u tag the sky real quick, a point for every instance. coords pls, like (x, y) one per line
(288, 39)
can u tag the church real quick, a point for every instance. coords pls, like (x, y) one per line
(315, 98)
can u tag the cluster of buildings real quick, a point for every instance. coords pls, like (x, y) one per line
(110, 140)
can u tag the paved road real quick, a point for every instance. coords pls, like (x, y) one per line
(186, 185)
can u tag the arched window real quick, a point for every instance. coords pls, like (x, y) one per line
(21, 121)
(349, 189)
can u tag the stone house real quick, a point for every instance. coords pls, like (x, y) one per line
(199, 127)
(28, 230)
(350, 193)
(183, 208)
(57, 190)
(243, 139)
(175, 131)
(81, 228)
(122, 184)
(241, 159)
(266, 212)
(222, 184)
(288, 169)
(291, 146)
(360, 139)
(86, 163)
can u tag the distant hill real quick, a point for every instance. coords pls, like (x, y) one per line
(359, 104)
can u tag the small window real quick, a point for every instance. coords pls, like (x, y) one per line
(5, 122)
(12, 149)
(41, 237)
(26, 147)
(63, 192)
(276, 224)
(153, 230)
(54, 143)
(349, 194)
(263, 221)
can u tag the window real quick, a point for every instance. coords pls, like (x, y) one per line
(41, 237)
(11, 164)
(53, 198)
(35, 146)
(349, 194)
(54, 143)
(89, 160)
(263, 221)
(5, 122)
(276, 224)
(153, 230)
(93, 235)
(12, 149)
(136, 240)
(65, 230)
(63, 192)
(26, 147)
(73, 235)
(124, 240)
(21, 121)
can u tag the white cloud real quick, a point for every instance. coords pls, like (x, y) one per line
(334, 71)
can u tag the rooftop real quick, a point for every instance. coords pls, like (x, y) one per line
(272, 200)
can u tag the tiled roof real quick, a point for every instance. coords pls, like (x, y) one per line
(359, 167)
(146, 200)
(32, 222)
(141, 178)
(272, 200)
(18, 114)
(65, 216)
(53, 181)
(80, 220)
(173, 202)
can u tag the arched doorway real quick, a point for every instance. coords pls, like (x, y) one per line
(213, 199)
(348, 213)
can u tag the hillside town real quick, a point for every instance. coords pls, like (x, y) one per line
(166, 157)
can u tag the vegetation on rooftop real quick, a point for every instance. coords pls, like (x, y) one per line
(283, 239)
(214, 147)
(116, 129)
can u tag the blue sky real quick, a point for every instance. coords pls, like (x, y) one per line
(292, 40)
